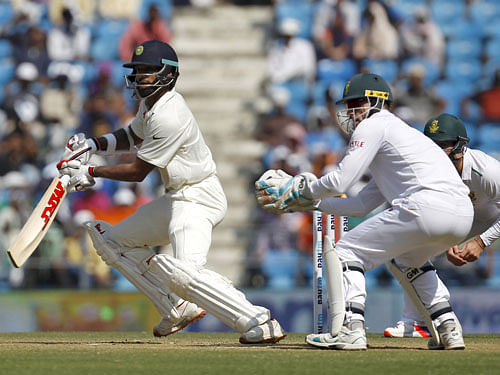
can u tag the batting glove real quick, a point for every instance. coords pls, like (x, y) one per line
(75, 167)
(80, 182)
(80, 148)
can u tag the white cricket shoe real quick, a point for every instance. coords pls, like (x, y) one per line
(450, 334)
(345, 340)
(189, 312)
(407, 329)
(269, 332)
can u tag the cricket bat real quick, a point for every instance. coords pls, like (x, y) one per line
(39, 222)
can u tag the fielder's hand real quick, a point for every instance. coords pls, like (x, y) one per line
(80, 148)
(81, 175)
(278, 192)
(453, 255)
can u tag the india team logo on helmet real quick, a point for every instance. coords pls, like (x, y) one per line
(161, 62)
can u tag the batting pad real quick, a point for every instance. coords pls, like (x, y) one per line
(406, 280)
(209, 290)
(334, 286)
(110, 253)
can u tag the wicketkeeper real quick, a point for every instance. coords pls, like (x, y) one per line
(184, 216)
(429, 211)
(481, 173)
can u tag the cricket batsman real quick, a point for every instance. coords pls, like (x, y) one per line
(481, 174)
(169, 139)
(429, 208)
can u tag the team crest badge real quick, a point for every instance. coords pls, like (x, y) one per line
(434, 127)
(139, 50)
(346, 90)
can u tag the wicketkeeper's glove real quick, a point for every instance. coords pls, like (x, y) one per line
(278, 192)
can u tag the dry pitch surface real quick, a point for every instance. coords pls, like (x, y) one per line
(220, 353)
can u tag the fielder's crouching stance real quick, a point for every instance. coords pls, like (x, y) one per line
(429, 211)
(193, 204)
(481, 173)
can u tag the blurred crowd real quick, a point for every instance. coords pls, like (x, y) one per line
(438, 55)
(61, 73)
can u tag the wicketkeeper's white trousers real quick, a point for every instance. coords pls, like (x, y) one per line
(411, 232)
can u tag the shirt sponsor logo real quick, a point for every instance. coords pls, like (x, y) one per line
(354, 144)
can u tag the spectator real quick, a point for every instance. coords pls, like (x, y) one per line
(97, 117)
(336, 42)
(152, 28)
(270, 127)
(94, 200)
(21, 101)
(60, 103)
(291, 58)
(488, 101)
(16, 150)
(416, 103)
(379, 38)
(87, 267)
(69, 41)
(423, 38)
(328, 10)
(31, 46)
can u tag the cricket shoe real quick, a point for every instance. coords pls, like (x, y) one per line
(450, 334)
(189, 313)
(269, 332)
(407, 329)
(345, 340)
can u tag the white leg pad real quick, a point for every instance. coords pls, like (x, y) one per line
(110, 253)
(335, 287)
(406, 278)
(211, 291)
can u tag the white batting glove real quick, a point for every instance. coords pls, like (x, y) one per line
(80, 182)
(75, 167)
(278, 192)
(80, 148)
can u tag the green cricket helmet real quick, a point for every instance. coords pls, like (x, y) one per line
(366, 85)
(448, 128)
(363, 86)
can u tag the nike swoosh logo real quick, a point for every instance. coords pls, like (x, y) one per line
(156, 138)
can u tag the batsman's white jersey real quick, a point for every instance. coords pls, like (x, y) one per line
(194, 201)
(429, 205)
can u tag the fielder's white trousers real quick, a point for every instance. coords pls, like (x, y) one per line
(430, 282)
(185, 218)
(411, 232)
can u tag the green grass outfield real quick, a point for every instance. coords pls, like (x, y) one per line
(220, 353)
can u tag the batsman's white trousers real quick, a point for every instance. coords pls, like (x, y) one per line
(185, 218)
(428, 284)
(411, 231)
